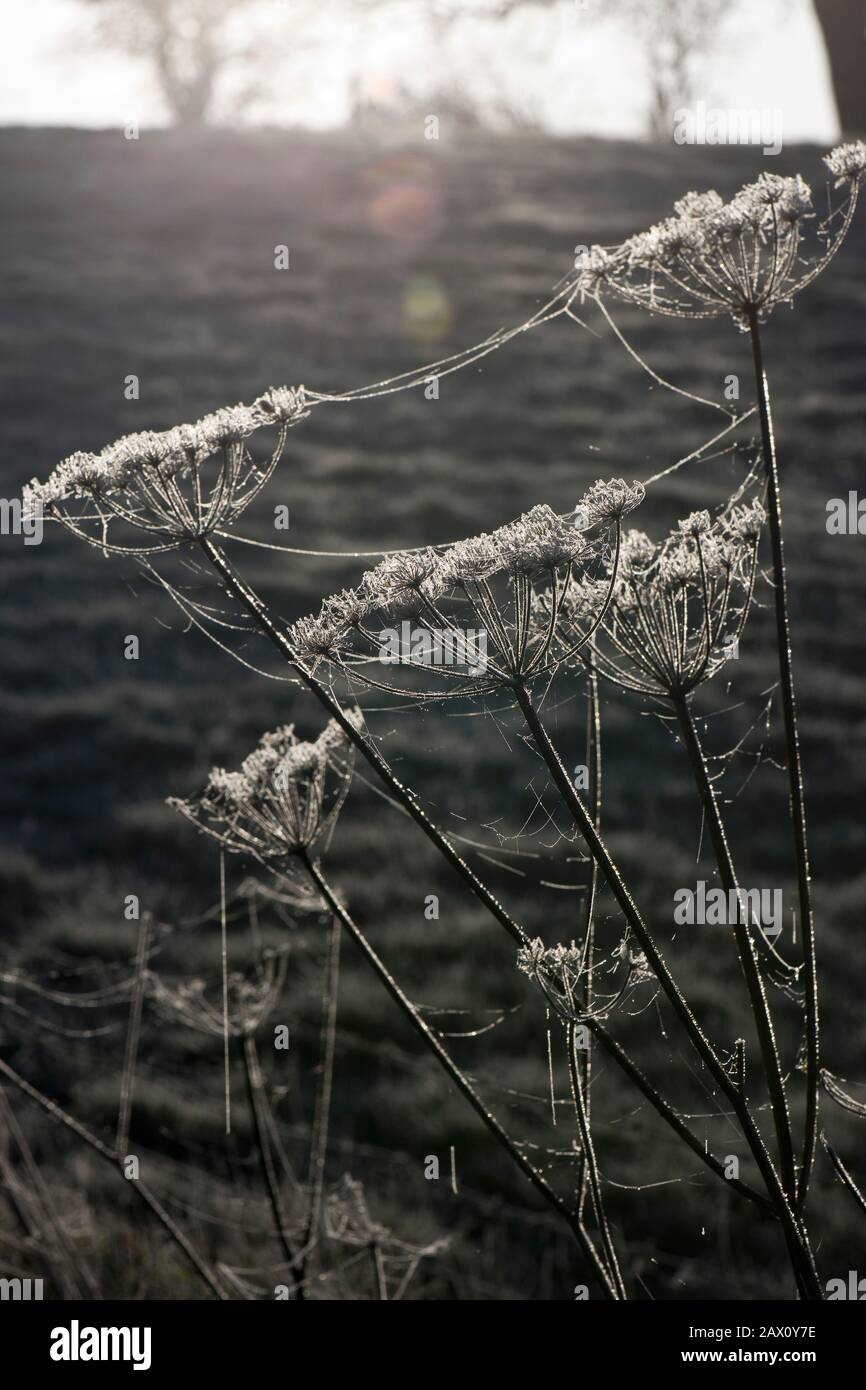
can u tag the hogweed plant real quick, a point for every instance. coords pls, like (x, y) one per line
(742, 259)
(540, 615)
(171, 487)
(275, 810)
(498, 621)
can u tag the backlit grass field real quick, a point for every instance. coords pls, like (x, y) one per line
(156, 258)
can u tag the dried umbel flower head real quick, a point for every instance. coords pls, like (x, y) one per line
(847, 163)
(169, 488)
(285, 797)
(348, 1221)
(250, 999)
(740, 258)
(469, 614)
(609, 499)
(678, 609)
(561, 971)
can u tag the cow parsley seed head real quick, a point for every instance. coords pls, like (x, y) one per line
(539, 540)
(477, 558)
(697, 524)
(347, 609)
(679, 607)
(286, 795)
(698, 205)
(560, 971)
(637, 552)
(610, 499)
(281, 403)
(745, 523)
(403, 579)
(678, 564)
(739, 258)
(319, 638)
(176, 485)
(473, 615)
(847, 163)
(592, 268)
(530, 957)
(250, 999)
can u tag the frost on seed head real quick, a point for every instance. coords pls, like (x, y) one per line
(610, 499)
(592, 269)
(347, 609)
(248, 1000)
(286, 794)
(477, 607)
(539, 540)
(559, 971)
(745, 523)
(155, 480)
(847, 163)
(535, 956)
(678, 606)
(319, 638)
(698, 205)
(739, 258)
(637, 552)
(471, 560)
(403, 579)
(697, 524)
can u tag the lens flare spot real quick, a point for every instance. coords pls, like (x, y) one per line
(404, 202)
(427, 309)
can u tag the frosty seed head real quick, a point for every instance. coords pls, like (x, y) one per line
(740, 258)
(318, 638)
(474, 616)
(592, 268)
(249, 999)
(637, 552)
(287, 793)
(847, 163)
(678, 606)
(697, 524)
(610, 499)
(347, 609)
(402, 578)
(745, 523)
(177, 485)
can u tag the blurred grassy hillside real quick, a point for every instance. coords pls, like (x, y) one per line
(156, 258)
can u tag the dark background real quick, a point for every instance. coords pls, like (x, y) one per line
(156, 258)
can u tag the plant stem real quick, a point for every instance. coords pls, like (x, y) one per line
(133, 1034)
(459, 1078)
(591, 1162)
(800, 1254)
(141, 1190)
(73, 1271)
(795, 770)
(378, 1273)
(843, 1175)
(594, 776)
(667, 1112)
(252, 1072)
(241, 591)
(745, 945)
(402, 794)
(321, 1121)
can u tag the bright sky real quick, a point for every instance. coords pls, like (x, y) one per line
(577, 76)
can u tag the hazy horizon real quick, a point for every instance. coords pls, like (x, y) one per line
(571, 74)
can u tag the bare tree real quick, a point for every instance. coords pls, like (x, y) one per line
(674, 36)
(215, 57)
(190, 44)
